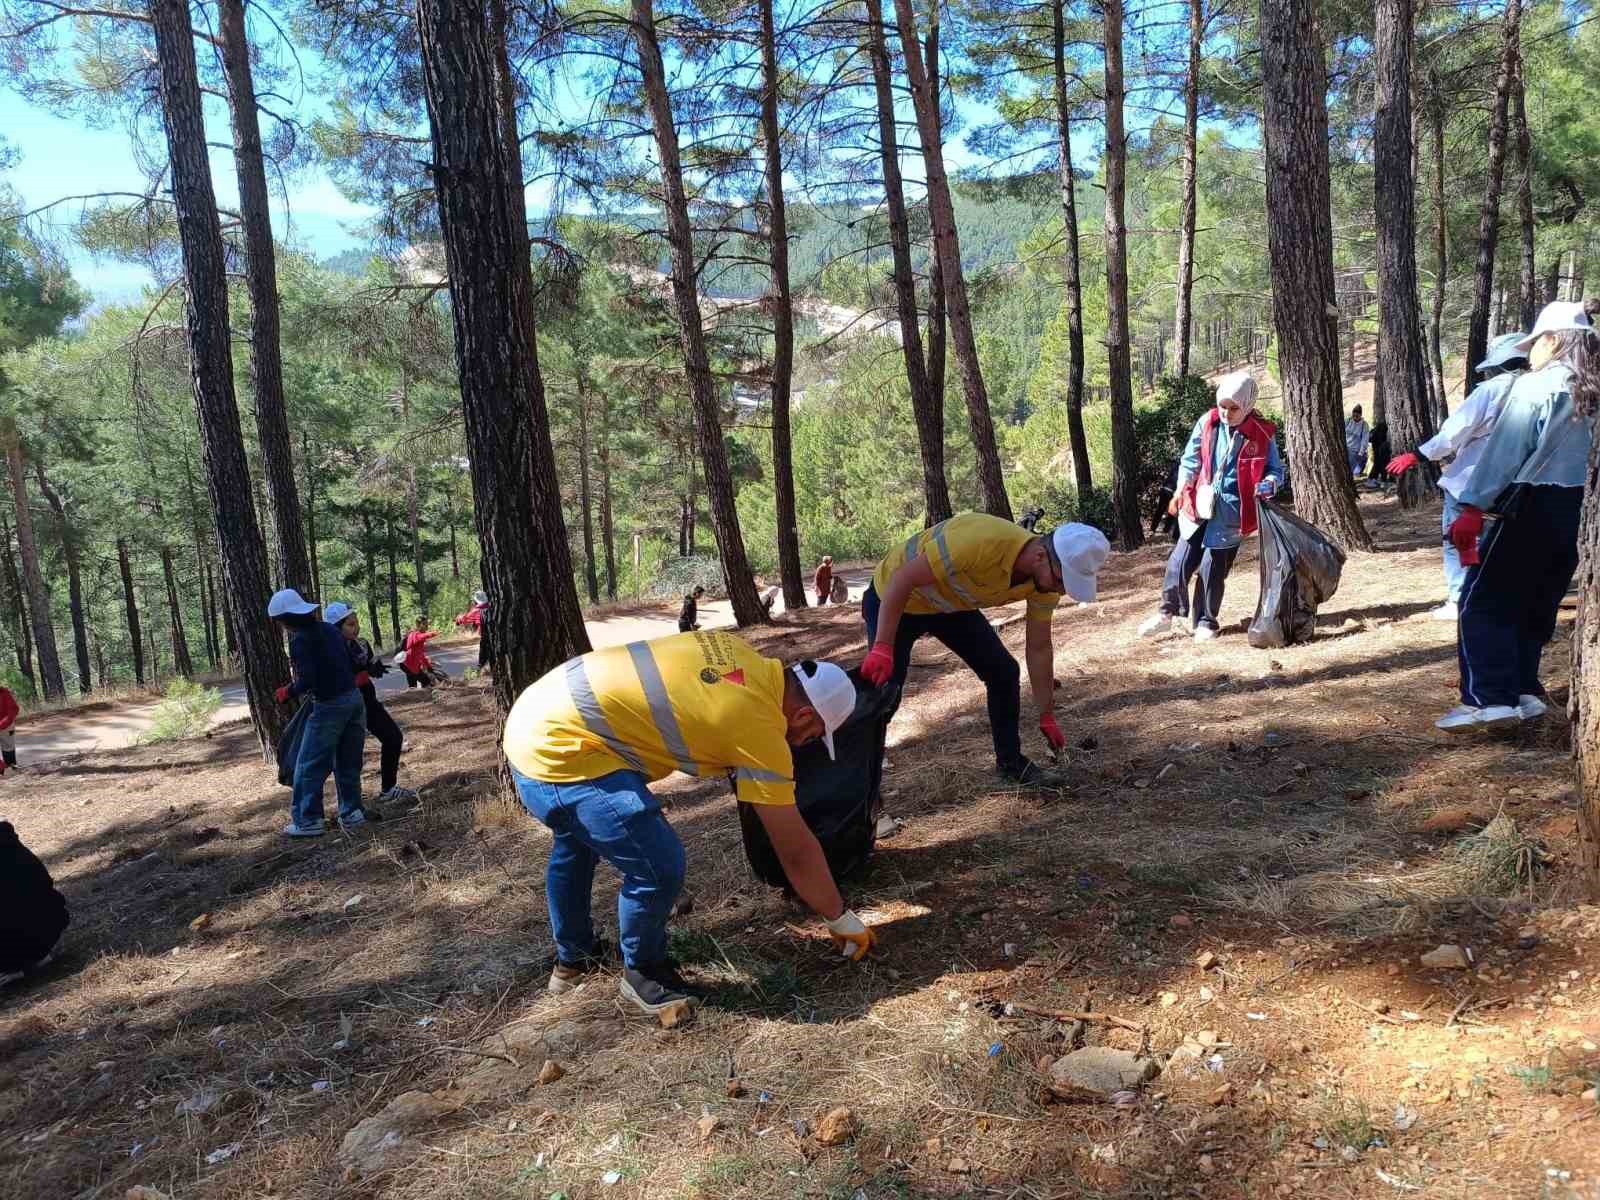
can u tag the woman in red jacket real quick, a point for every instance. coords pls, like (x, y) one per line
(416, 664)
(8, 723)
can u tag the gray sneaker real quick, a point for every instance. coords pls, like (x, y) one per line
(305, 831)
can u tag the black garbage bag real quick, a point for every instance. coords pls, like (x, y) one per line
(1300, 569)
(838, 798)
(289, 743)
(32, 913)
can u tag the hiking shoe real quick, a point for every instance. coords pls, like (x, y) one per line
(1030, 774)
(1464, 718)
(354, 820)
(566, 977)
(1159, 623)
(1204, 633)
(654, 988)
(305, 831)
(1445, 612)
(1532, 707)
(399, 795)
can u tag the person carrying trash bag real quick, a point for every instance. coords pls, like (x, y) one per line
(1231, 460)
(1529, 479)
(939, 582)
(586, 740)
(380, 724)
(1300, 569)
(1464, 434)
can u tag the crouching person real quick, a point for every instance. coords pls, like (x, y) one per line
(584, 743)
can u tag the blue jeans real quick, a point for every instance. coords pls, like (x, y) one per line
(974, 641)
(332, 745)
(1208, 567)
(615, 818)
(1454, 573)
(1357, 461)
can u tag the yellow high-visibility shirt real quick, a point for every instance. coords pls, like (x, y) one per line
(703, 703)
(972, 556)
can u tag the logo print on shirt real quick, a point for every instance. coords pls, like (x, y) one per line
(709, 675)
(735, 676)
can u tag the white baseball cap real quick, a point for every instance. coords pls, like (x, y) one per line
(1080, 551)
(831, 693)
(336, 612)
(1557, 317)
(288, 601)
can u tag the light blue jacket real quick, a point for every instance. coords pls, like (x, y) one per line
(1539, 439)
(1222, 530)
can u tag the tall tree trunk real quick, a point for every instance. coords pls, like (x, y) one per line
(1584, 706)
(938, 313)
(130, 609)
(1402, 361)
(394, 578)
(1441, 261)
(261, 280)
(1300, 245)
(608, 533)
(308, 461)
(181, 662)
(69, 551)
(585, 497)
(927, 401)
(44, 634)
(419, 578)
(213, 642)
(1489, 217)
(1124, 446)
(781, 303)
(19, 605)
(369, 561)
(1528, 274)
(942, 215)
(737, 577)
(1552, 280)
(201, 571)
(484, 220)
(1191, 131)
(244, 553)
(1076, 437)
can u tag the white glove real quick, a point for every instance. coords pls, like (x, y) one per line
(852, 937)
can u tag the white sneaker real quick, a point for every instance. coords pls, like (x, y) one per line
(1204, 633)
(305, 831)
(1463, 717)
(1445, 612)
(1159, 623)
(1532, 707)
(398, 795)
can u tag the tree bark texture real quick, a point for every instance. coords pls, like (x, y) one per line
(1191, 131)
(1528, 272)
(308, 463)
(394, 578)
(1584, 706)
(370, 563)
(261, 280)
(246, 580)
(942, 215)
(1300, 246)
(1489, 215)
(17, 606)
(938, 315)
(1082, 472)
(1402, 353)
(477, 169)
(181, 661)
(130, 608)
(1441, 257)
(38, 594)
(780, 301)
(69, 551)
(585, 494)
(927, 401)
(1124, 446)
(736, 574)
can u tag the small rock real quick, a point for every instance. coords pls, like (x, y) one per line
(1168, 999)
(1446, 958)
(1350, 1154)
(1100, 1071)
(957, 1166)
(354, 901)
(551, 1071)
(735, 1089)
(1206, 960)
(200, 922)
(1181, 921)
(381, 1141)
(675, 1014)
(933, 1145)
(144, 1193)
(837, 1126)
(1207, 995)
(1450, 820)
(1207, 1165)
(707, 1125)
(1141, 784)
(1220, 1096)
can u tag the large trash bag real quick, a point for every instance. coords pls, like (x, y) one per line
(289, 743)
(32, 913)
(838, 798)
(1300, 569)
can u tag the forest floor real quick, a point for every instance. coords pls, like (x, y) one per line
(229, 1006)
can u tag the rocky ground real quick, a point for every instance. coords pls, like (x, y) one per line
(1277, 938)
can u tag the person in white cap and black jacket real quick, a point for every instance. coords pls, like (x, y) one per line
(1530, 477)
(937, 584)
(1231, 461)
(1464, 435)
(380, 724)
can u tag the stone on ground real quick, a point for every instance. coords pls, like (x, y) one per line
(837, 1126)
(384, 1141)
(1100, 1071)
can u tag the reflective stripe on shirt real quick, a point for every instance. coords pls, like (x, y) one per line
(655, 694)
(760, 775)
(594, 717)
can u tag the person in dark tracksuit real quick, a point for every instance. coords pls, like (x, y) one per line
(1531, 478)
(688, 615)
(380, 724)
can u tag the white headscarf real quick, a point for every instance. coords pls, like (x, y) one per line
(1240, 387)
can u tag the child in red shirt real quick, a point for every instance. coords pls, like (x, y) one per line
(416, 664)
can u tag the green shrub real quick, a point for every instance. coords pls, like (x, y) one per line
(677, 577)
(184, 712)
(20, 685)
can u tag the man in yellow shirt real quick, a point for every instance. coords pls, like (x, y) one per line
(587, 738)
(939, 582)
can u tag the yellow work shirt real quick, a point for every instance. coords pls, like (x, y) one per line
(703, 703)
(972, 556)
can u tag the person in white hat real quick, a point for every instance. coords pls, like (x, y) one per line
(587, 739)
(1231, 461)
(381, 724)
(937, 584)
(1530, 476)
(1464, 434)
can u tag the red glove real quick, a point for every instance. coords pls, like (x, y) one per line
(1465, 531)
(362, 679)
(1052, 731)
(1401, 463)
(878, 664)
(282, 694)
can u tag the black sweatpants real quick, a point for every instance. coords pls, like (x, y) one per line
(1190, 559)
(382, 726)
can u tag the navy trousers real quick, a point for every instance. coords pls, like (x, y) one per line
(1191, 559)
(1511, 597)
(974, 641)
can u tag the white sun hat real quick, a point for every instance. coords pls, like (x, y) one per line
(289, 602)
(1557, 317)
(1080, 551)
(831, 693)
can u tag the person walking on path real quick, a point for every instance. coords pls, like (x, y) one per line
(585, 742)
(338, 723)
(1464, 434)
(415, 663)
(1530, 478)
(9, 711)
(1231, 461)
(380, 724)
(1356, 437)
(689, 614)
(938, 584)
(822, 580)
